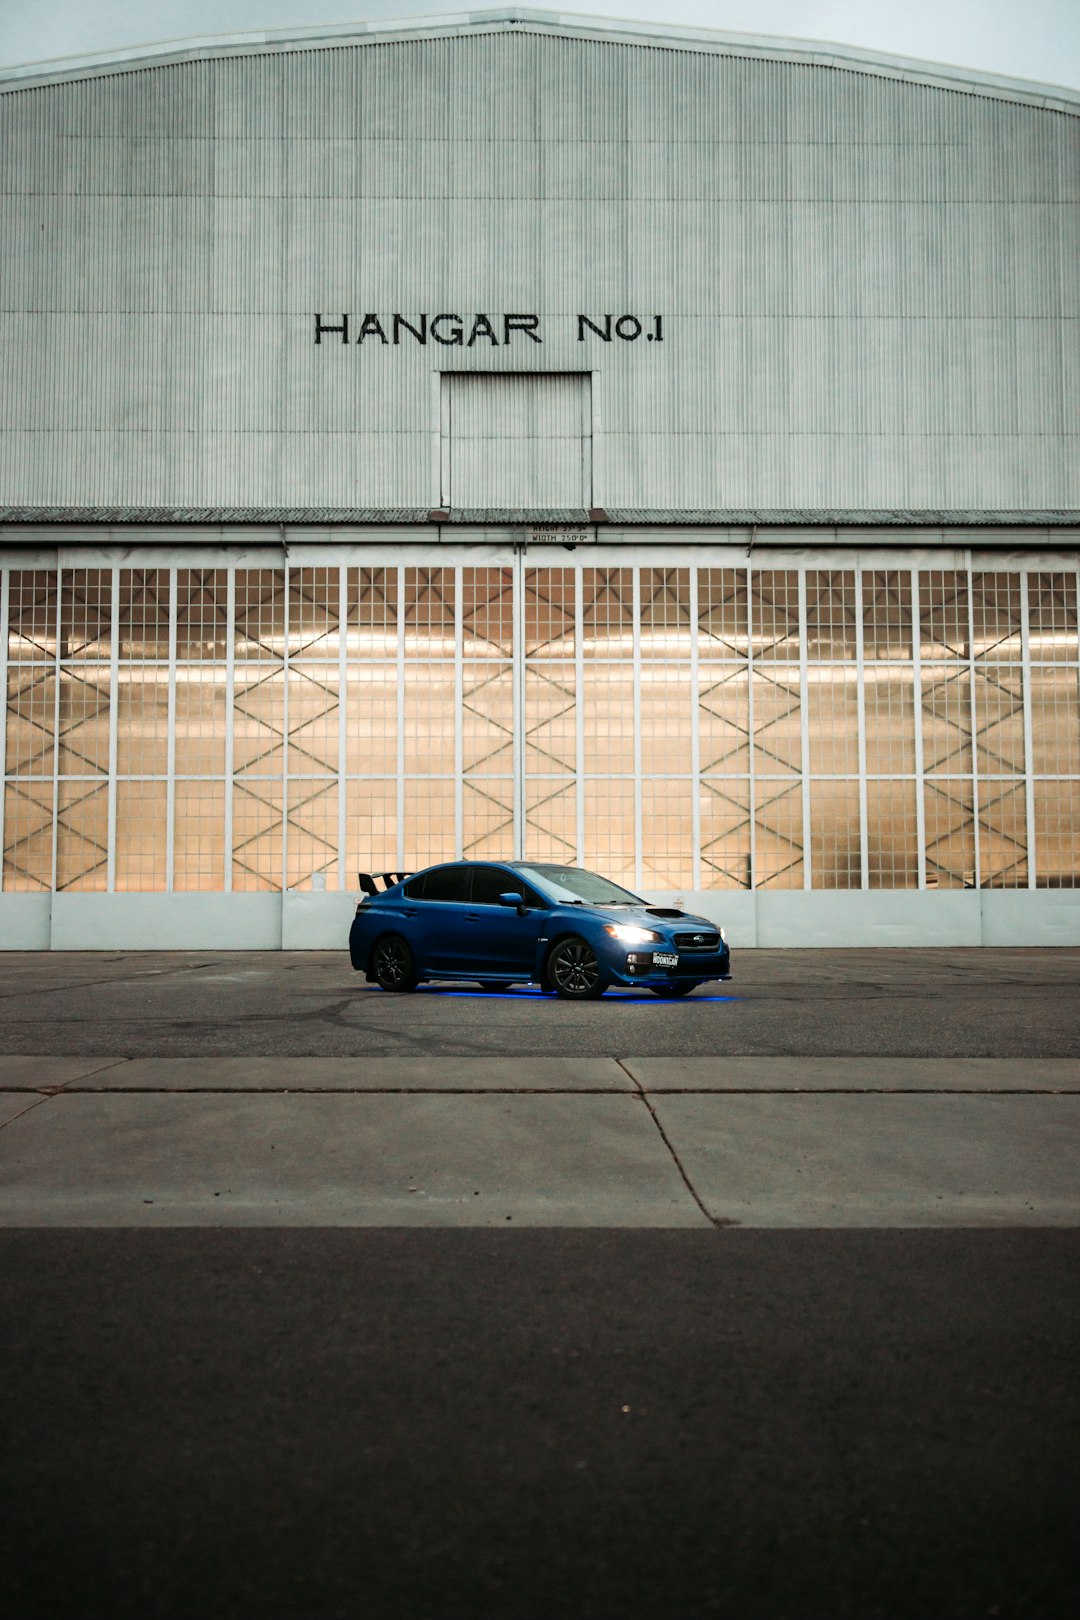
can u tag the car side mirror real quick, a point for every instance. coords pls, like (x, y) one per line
(514, 900)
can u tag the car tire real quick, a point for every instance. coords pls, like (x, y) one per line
(573, 970)
(392, 966)
(671, 992)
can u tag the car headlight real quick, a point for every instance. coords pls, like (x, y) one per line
(723, 936)
(630, 933)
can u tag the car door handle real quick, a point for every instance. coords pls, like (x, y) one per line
(471, 916)
(409, 913)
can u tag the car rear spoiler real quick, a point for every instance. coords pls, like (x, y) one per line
(369, 885)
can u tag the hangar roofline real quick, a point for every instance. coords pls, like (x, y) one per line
(813, 53)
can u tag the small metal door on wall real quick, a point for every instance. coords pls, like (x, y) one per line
(516, 440)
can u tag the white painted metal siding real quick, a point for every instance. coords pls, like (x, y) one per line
(870, 287)
(521, 441)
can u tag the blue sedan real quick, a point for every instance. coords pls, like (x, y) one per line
(525, 922)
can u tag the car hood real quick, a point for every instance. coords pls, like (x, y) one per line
(658, 917)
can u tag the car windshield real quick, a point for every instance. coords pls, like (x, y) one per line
(570, 883)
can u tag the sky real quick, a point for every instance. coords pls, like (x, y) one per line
(1027, 39)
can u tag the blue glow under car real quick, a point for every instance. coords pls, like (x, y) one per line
(526, 922)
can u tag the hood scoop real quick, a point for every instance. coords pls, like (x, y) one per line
(664, 911)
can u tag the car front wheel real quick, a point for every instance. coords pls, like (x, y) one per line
(573, 971)
(392, 964)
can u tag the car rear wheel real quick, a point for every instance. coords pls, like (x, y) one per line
(392, 964)
(573, 971)
(669, 992)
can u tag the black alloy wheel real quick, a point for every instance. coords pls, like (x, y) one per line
(573, 971)
(392, 964)
(669, 992)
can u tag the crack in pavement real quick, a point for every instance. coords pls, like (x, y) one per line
(713, 1220)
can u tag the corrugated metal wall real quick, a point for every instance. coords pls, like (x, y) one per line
(870, 288)
(518, 440)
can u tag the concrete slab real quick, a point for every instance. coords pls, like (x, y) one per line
(13, 1103)
(367, 1074)
(176, 1160)
(832, 1161)
(855, 1074)
(32, 1072)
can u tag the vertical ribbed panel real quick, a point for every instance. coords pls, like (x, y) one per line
(517, 441)
(870, 287)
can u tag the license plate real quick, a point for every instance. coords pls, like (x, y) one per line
(665, 959)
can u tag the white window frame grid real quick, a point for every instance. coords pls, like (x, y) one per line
(519, 561)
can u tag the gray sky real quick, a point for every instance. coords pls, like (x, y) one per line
(1029, 39)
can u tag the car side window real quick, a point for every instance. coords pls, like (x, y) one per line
(447, 883)
(489, 882)
(416, 888)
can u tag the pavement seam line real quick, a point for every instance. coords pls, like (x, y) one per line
(713, 1220)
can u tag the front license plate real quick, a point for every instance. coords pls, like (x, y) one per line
(665, 959)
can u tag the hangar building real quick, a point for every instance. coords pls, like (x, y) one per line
(521, 434)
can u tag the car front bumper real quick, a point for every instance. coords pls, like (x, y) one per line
(637, 967)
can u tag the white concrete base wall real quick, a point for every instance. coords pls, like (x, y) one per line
(308, 921)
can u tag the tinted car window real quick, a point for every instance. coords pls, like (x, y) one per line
(416, 888)
(489, 882)
(447, 883)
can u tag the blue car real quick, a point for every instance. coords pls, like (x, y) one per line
(525, 922)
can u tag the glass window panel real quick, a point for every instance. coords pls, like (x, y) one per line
(943, 614)
(1052, 616)
(667, 834)
(723, 717)
(892, 835)
(725, 833)
(609, 830)
(28, 836)
(886, 614)
(950, 835)
(31, 720)
(999, 716)
(371, 721)
(83, 734)
(551, 821)
(142, 720)
(260, 614)
(32, 614)
(723, 619)
(259, 720)
(314, 610)
(429, 612)
(141, 810)
(608, 717)
(429, 823)
(549, 596)
(550, 718)
(143, 613)
(370, 827)
(82, 836)
(665, 613)
(889, 696)
(1057, 835)
(995, 615)
(835, 840)
(257, 836)
(946, 718)
(831, 631)
(487, 719)
(487, 819)
(313, 718)
(311, 847)
(774, 609)
(834, 719)
(487, 612)
(777, 722)
(1002, 835)
(201, 698)
(372, 611)
(778, 836)
(665, 719)
(1055, 721)
(199, 837)
(202, 617)
(607, 612)
(86, 613)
